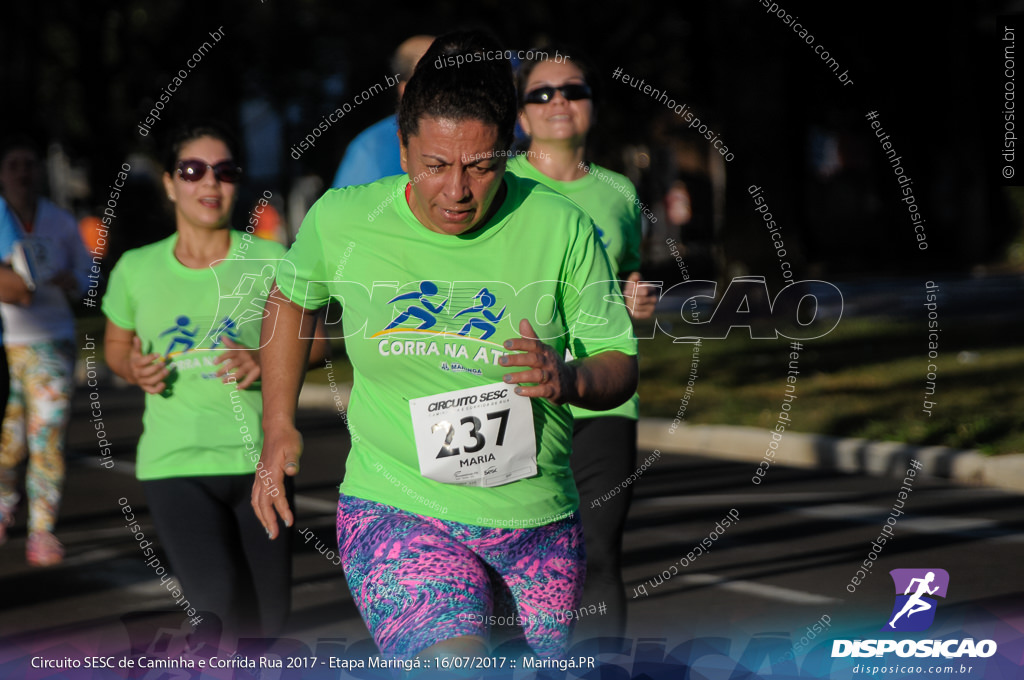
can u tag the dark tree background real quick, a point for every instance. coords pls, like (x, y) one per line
(83, 75)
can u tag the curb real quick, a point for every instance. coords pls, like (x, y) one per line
(322, 397)
(844, 454)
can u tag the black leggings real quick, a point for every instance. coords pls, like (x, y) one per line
(603, 456)
(220, 552)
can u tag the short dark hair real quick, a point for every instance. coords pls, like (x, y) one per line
(193, 131)
(477, 89)
(569, 53)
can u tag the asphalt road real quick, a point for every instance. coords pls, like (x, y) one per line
(766, 580)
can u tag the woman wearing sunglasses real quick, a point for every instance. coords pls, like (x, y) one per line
(556, 112)
(183, 323)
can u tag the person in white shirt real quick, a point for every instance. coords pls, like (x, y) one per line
(40, 342)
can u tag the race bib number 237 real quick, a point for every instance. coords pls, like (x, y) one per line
(481, 436)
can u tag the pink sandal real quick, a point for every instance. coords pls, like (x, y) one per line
(44, 550)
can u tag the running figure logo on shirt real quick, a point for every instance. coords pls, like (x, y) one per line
(486, 324)
(181, 334)
(915, 611)
(600, 237)
(460, 310)
(427, 290)
(227, 327)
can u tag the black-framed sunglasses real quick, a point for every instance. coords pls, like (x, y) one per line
(193, 170)
(571, 91)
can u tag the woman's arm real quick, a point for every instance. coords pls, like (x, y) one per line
(640, 300)
(123, 352)
(596, 383)
(285, 340)
(13, 288)
(245, 364)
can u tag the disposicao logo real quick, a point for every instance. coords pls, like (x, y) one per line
(914, 611)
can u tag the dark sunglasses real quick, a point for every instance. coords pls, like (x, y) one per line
(571, 91)
(193, 170)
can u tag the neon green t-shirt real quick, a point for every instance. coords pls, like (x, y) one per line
(199, 426)
(608, 198)
(427, 313)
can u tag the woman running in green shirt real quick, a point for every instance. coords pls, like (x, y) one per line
(460, 297)
(183, 323)
(557, 111)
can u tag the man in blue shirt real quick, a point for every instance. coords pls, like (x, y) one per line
(374, 152)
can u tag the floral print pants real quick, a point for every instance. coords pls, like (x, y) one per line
(35, 425)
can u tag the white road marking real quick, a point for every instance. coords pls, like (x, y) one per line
(309, 504)
(735, 500)
(968, 527)
(751, 588)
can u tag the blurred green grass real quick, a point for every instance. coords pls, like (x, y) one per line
(864, 379)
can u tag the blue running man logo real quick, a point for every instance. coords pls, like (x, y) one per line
(427, 290)
(185, 336)
(915, 611)
(227, 327)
